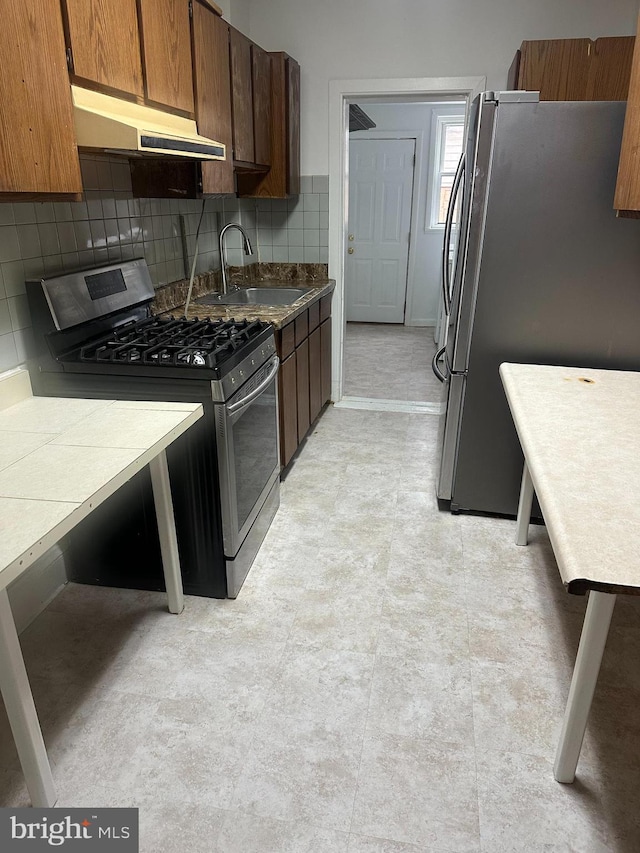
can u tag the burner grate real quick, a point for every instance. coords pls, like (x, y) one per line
(174, 342)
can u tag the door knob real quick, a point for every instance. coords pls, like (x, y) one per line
(350, 250)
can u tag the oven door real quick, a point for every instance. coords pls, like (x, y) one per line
(248, 457)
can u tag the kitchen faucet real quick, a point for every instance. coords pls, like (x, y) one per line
(246, 245)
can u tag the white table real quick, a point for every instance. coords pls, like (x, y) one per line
(579, 431)
(59, 459)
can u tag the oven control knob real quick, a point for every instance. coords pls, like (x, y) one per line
(233, 381)
(253, 361)
(242, 373)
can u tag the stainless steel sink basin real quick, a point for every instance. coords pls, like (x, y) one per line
(255, 296)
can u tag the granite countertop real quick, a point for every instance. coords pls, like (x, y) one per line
(171, 298)
(578, 429)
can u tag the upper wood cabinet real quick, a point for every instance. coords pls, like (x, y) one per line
(250, 99)
(241, 96)
(627, 197)
(152, 178)
(135, 48)
(261, 85)
(104, 43)
(213, 95)
(610, 69)
(166, 50)
(574, 69)
(38, 152)
(283, 178)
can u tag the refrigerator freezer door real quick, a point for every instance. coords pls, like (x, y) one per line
(453, 394)
(478, 155)
(559, 277)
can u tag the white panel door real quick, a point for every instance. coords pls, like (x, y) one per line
(380, 190)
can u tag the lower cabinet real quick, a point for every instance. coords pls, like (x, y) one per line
(304, 384)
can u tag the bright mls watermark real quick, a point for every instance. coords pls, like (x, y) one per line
(79, 830)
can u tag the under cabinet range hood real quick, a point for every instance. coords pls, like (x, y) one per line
(110, 124)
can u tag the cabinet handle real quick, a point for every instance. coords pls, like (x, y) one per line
(351, 250)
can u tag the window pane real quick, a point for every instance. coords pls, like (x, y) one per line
(446, 182)
(451, 146)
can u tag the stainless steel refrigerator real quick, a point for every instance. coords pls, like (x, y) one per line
(542, 272)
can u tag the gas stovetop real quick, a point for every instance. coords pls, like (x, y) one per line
(174, 342)
(99, 322)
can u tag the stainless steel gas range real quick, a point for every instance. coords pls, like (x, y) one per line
(95, 336)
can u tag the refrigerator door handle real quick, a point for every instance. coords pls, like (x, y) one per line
(446, 278)
(434, 364)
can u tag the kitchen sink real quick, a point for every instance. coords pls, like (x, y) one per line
(255, 296)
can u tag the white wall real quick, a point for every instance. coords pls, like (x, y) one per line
(423, 285)
(239, 15)
(414, 38)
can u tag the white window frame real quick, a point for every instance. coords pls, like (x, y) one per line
(441, 121)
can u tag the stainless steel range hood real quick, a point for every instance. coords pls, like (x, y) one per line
(110, 124)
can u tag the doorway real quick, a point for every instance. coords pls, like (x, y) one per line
(381, 347)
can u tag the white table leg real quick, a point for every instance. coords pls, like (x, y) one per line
(21, 711)
(524, 507)
(583, 683)
(167, 530)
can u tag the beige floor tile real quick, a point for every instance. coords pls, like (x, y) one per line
(420, 700)
(523, 808)
(338, 619)
(390, 362)
(300, 769)
(517, 709)
(368, 844)
(330, 686)
(428, 631)
(175, 827)
(417, 791)
(246, 833)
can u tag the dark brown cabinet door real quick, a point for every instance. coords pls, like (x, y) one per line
(325, 361)
(315, 375)
(261, 79)
(288, 404)
(38, 152)
(293, 127)
(105, 43)
(241, 96)
(302, 377)
(166, 42)
(283, 178)
(213, 94)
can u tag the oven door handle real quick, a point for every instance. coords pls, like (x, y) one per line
(234, 408)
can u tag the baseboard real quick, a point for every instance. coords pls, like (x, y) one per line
(30, 593)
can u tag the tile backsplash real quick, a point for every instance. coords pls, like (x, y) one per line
(44, 238)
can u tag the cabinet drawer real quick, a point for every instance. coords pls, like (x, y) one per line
(302, 327)
(285, 341)
(314, 316)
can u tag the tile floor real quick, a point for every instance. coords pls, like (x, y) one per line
(391, 680)
(390, 362)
